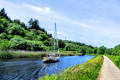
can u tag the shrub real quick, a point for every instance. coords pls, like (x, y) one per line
(20, 43)
(4, 44)
(3, 36)
(15, 29)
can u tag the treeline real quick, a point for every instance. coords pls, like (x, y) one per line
(16, 35)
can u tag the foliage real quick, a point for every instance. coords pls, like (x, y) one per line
(82, 50)
(95, 50)
(4, 14)
(87, 71)
(15, 29)
(115, 59)
(52, 77)
(4, 44)
(34, 24)
(5, 55)
(61, 44)
(20, 43)
(101, 50)
(20, 23)
(89, 51)
(3, 36)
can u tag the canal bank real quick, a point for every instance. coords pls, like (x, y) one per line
(87, 71)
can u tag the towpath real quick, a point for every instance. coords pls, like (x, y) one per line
(109, 71)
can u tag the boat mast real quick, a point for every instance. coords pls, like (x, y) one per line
(55, 37)
(57, 42)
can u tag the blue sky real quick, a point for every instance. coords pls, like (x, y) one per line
(93, 22)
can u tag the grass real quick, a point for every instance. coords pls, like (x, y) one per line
(86, 71)
(115, 60)
(31, 54)
(20, 54)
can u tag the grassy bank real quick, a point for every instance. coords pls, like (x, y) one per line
(87, 71)
(115, 59)
(20, 54)
(31, 54)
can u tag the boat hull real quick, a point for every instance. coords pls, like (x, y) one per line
(51, 60)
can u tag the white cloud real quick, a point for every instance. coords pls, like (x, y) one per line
(38, 9)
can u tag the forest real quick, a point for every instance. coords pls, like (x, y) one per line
(16, 35)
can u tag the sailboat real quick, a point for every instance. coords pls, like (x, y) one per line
(51, 58)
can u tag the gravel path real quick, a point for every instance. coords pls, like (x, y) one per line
(109, 71)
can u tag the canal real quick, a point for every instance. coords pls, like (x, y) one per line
(32, 69)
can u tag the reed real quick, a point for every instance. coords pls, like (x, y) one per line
(20, 54)
(32, 54)
(86, 71)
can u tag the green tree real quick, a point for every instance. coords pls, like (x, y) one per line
(20, 23)
(116, 50)
(15, 29)
(61, 43)
(4, 44)
(101, 50)
(3, 36)
(3, 24)
(89, 51)
(34, 24)
(44, 37)
(95, 50)
(4, 14)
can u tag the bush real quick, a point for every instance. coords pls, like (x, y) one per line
(4, 44)
(20, 43)
(3, 36)
(5, 55)
(15, 29)
(61, 44)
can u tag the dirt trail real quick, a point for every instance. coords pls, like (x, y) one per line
(109, 71)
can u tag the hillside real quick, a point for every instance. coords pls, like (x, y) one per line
(16, 35)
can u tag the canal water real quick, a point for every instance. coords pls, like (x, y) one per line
(32, 69)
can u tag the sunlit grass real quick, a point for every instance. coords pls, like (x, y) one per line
(87, 71)
(115, 59)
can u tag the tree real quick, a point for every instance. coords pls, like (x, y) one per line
(89, 51)
(15, 29)
(44, 37)
(2, 13)
(34, 24)
(3, 36)
(116, 50)
(61, 44)
(20, 23)
(4, 44)
(101, 50)
(82, 50)
(95, 50)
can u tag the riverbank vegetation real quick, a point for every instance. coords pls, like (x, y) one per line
(16, 35)
(115, 59)
(86, 71)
